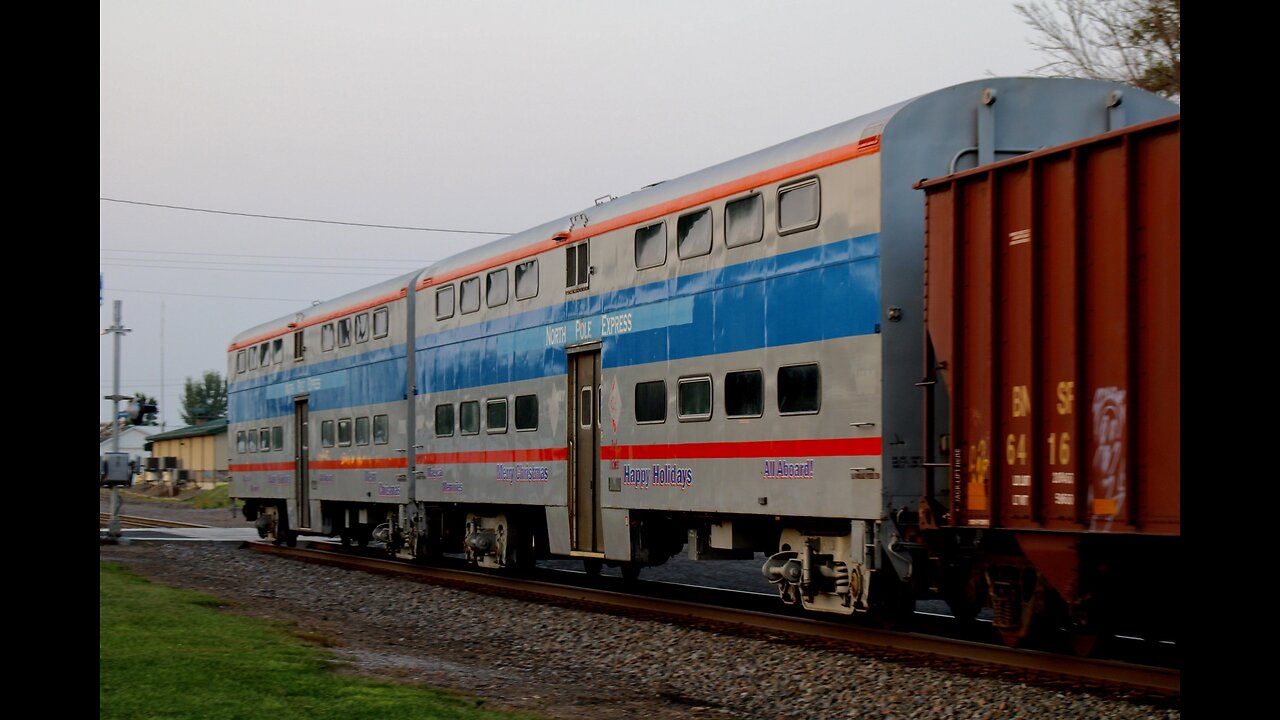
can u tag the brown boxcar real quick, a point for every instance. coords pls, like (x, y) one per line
(1052, 322)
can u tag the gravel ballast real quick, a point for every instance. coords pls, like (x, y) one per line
(568, 663)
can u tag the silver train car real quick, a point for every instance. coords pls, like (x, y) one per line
(720, 364)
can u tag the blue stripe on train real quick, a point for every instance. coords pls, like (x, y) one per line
(820, 293)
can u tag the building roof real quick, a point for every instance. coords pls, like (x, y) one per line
(213, 427)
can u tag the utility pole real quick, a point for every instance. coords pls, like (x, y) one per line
(109, 472)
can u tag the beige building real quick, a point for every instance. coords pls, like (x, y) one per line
(193, 454)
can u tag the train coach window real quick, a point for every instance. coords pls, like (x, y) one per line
(380, 429)
(799, 389)
(362, 327)
(264, 354)
(362, 431)
(253, 358)
(252, 437)
(695, 399)
(240, 444)
(577, 266)
(240, 362)
(799, 206)
(744, 221)
(326, 337)
(693, 234)
(277, 350)
(444, 302)
(495, 288)
(344, 432)
(298, 347)
(277, 437)
(651, 401)
(344, 332)
(326, 433)
(469, 417)
(526, 412)
(470, 300)
(495, 411)
(444, 420)
(651, 246)
(744, 394)
(526, 280)
(264, 440)
(381, 323)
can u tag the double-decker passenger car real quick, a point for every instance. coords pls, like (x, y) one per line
(728, 361)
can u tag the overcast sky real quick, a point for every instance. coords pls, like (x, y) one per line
(481, 116)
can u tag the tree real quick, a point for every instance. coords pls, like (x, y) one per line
(1138, 42)
(147, 418)
(203, 401)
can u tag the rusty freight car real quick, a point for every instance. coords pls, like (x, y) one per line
(1052, 384)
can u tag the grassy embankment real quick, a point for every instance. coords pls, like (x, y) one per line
(167, 653)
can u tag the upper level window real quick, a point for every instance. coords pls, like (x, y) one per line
(344, 431)
(527, 279)
(470, 301)
(799, 389)
(240, 444)
(277, 437)
(381, 323)
(693, 234)
(264, 440)
(299, 348)
(326, 433)
(344, 332)
(651, 401)
(444, 302)
(651, 246)
(799, 206)
(744, 221)
(362, 431)
(277, 348)
(240, 361)
(253, 441)
(495, 288)
(264, 354)
(744, 393)
(695, 398)
(326, 337)
(577, 266)
(253, 358)
(380, 429)
(362, 327)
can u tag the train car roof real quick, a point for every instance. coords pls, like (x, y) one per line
(366, 297)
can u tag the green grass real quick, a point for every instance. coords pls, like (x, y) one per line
(215, 497)
(166, 653)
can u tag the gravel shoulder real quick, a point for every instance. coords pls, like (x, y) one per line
(573, 664)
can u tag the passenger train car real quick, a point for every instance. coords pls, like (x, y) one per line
(722, 364)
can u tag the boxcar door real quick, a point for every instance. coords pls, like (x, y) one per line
(584, 452)
(302, 479)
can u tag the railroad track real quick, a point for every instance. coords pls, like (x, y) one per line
(133, 521)
(1110, 677)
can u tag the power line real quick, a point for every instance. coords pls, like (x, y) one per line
(269, 257)
(183, 263)
(388, 274)
(298, 219)
(229, 297)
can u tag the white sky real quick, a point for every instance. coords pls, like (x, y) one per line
(464, 115)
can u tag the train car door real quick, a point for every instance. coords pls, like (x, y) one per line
(302, 479)
(584, 451)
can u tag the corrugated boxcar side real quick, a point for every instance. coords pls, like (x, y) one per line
(1052, 296)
